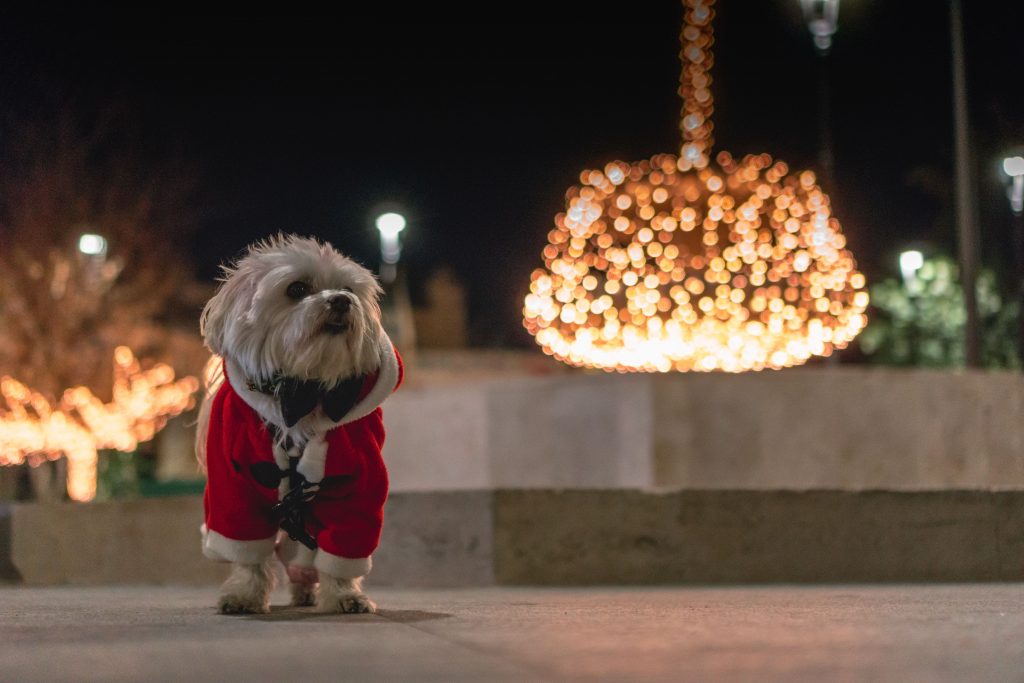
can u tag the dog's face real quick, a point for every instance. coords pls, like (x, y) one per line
(297, 307)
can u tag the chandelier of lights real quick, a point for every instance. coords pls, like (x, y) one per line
(680, 263)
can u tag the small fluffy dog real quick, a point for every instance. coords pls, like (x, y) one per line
(290, 431)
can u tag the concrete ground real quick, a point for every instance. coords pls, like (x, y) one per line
(927, 633)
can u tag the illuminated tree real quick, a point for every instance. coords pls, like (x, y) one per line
(63, 312)
(693, 261)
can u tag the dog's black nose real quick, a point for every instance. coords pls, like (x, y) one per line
(339, 303)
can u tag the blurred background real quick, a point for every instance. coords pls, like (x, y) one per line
(138, 155)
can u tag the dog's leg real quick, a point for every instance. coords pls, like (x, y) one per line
(298, 563)
(341, 583)
(343, 595)
(247, 590)
(303, 594)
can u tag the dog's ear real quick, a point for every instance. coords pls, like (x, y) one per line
(374, 292)
(218, 312)
(211, 322)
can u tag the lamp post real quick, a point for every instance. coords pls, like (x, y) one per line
(396, 306)
(911, 261)
(92, 252)
(390, 225)
(1013, 167)
(822, 17)
(966, 209)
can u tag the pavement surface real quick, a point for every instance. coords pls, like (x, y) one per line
(928, 633)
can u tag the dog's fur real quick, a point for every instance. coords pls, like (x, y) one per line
(259, 331)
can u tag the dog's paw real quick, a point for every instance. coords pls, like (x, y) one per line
(346, 603)
(303, 594)
(240, 604)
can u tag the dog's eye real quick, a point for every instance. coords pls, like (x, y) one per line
(298, 290)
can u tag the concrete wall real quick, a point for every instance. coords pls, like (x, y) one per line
(853, 428)
(842, 428)
(691, 536)
(429, 540)
(571, 431)
(473, 538)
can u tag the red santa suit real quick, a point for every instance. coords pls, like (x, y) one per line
(347, 512)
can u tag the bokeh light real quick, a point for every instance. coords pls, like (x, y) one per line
(32, 430)
(680, 263)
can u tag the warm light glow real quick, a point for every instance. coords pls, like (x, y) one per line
(677, 263)
(92, 245)
(33, 430)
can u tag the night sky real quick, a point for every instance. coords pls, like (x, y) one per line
(477, 126)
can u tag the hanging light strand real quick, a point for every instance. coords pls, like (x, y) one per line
(695, 41)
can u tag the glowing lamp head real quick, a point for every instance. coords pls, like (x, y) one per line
(390, 224)
(1013, 166)
(822, 17)
(92, 245)
(910, 262)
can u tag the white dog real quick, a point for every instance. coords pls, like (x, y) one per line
(290, 431)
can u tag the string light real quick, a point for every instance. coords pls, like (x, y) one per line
(32, 430)
(678, 263)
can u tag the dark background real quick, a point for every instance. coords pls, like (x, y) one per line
(476, 125)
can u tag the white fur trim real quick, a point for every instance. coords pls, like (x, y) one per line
(387, 379)
(224, 549)
(314, 459)
(342, 567)
(269, 409)
(265, 406)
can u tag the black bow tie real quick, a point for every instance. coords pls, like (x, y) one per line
(299, 397)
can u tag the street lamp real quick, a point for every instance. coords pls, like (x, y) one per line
(395, 306)
(966, 203)
(92, 245)
(910, 262)
(822, 17)
(390, 225)
(1013, 167)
